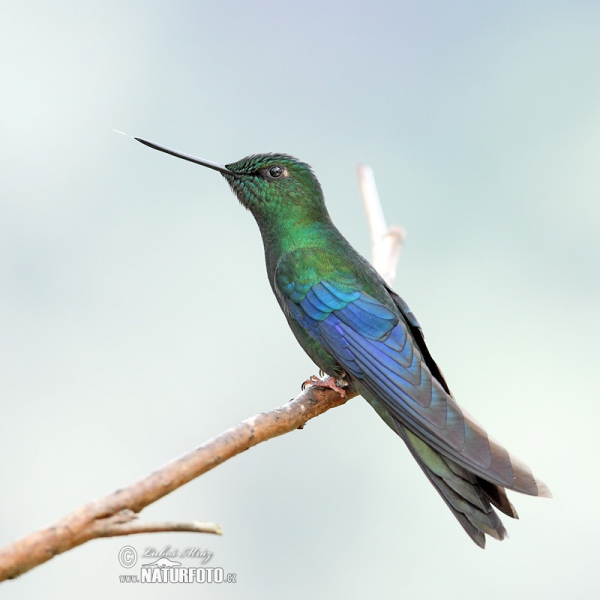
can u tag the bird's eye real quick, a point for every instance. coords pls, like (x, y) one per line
(275, 172)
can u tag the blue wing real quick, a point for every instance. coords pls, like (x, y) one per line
(376, 346)
(379, 344)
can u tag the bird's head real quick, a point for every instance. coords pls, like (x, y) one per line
(271, 186)
(270, 183)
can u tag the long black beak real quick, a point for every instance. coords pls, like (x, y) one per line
(198, 161)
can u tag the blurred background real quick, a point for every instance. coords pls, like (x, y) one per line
(136, 320)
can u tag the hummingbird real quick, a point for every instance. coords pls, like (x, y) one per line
(365, 338)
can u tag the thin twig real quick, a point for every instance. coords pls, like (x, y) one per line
(125, 523)
(116, 514)
(159, 527)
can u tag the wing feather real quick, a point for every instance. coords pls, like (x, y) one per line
(377, 346)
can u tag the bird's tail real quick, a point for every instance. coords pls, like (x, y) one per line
(469, 497)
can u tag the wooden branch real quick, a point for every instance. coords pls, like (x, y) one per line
(112, 515)
(116, 514)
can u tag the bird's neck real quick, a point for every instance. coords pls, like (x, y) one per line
(291, 231)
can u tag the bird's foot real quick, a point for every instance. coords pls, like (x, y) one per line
(331, 383)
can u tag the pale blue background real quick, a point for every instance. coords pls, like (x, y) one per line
(136, 320)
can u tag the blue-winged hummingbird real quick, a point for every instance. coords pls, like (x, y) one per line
(364, 336)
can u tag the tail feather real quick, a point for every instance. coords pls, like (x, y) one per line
(497, 496)
(469, 497)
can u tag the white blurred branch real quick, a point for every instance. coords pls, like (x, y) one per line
(386, 241)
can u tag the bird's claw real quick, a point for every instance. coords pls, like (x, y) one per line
(337, 385)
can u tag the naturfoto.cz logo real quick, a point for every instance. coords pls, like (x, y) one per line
(165, 569)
